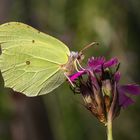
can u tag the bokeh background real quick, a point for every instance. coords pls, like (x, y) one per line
(60, 115)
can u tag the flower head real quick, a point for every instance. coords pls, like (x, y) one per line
(100, 88)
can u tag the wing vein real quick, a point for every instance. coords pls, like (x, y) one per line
(40, 78)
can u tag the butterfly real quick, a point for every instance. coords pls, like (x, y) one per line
(32, 62)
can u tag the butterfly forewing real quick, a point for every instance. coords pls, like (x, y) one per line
(31, 60)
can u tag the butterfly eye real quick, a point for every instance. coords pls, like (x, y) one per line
(81, 56)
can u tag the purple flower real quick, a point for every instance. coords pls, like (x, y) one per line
(97, 63)
(76, 75)
(100, 88)
(131, 89)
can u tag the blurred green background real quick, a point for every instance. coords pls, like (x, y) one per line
(60, 115)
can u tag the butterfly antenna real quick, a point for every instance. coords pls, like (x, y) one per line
(88, 46)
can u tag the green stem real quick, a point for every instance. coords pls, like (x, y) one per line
(109, 130)
(110, 114)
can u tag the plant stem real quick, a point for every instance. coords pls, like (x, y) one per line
(109, 130)
(110, 115)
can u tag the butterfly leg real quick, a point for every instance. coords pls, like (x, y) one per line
(69, 80)
(79, 65)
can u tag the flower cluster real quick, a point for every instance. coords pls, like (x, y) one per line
(99, 85)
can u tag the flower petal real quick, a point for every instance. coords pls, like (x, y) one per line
(94, 62)
(117, 76)
(131, 89)
(76, 75)
(111, 62)
(124, 100)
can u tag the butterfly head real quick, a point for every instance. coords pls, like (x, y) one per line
(70, 66)
(74, 60)
(80, 55)
(76, 56)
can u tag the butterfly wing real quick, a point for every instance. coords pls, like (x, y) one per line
(31, 60)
